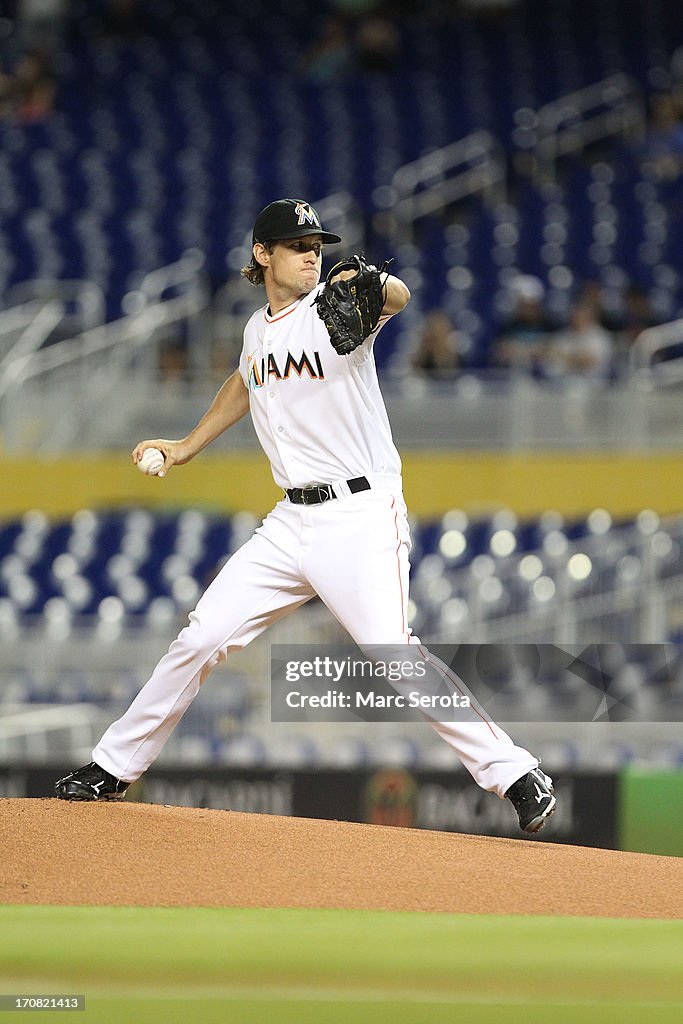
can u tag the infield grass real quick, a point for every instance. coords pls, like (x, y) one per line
(149, 965)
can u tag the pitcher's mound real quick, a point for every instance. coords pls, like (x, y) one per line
(149, 855)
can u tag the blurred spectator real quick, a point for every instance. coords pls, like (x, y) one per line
(584, 348)
(223, 359)
(374, 40)
(173, 365)
(331, 55)
(28, 94)
(437, 352)
(6, 94)
(662, 153)
(607, 305)
(378, 44)
(40, 24)
(638, 314)
(522, 340)
(352, 38)
(34, 86)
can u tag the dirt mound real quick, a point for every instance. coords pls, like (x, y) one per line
(152, 855)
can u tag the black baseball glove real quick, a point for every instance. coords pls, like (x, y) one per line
(350, 309)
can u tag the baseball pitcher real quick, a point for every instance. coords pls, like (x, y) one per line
(307, 375)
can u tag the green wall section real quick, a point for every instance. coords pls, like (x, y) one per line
(573, 483)
(651, 811)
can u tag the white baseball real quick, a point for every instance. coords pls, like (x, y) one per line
(151, 461)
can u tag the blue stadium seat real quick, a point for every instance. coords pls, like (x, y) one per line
(171, 140)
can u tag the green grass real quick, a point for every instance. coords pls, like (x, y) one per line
(145, 966)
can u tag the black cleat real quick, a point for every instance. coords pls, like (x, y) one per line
(91, 783)
(533, 798)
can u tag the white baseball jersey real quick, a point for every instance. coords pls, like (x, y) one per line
(320, 417)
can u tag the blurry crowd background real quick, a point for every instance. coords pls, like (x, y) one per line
(133, 130)
(138, 135)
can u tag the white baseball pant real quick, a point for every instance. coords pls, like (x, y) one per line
(353, 553)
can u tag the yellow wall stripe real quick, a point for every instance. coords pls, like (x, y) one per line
(572, 483)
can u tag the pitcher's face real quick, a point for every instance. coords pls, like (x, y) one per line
(293, 266)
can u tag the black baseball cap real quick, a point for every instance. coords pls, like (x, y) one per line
(289, 218)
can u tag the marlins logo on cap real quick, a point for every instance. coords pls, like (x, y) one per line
(289, 218)
(306, 214)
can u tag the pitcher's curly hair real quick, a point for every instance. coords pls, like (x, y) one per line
(253, 271)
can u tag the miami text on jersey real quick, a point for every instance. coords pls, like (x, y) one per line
(258, 375)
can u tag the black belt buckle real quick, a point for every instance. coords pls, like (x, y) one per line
(318, 494)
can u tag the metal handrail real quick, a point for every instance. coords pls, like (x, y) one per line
(32, 726)
(14, 323)
(28, 343)
(566, 125)
(97, 361)
(650, 343)
(473, 164)
(16, 317)
(146, 312)
(87, 296)
(339, 211)
(183, 273)
(135, 326)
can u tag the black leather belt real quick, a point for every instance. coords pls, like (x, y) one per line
(316, 494)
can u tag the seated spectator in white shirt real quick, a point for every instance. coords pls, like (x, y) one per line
(583, 349)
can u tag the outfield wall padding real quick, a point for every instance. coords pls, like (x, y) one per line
(651, 811)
